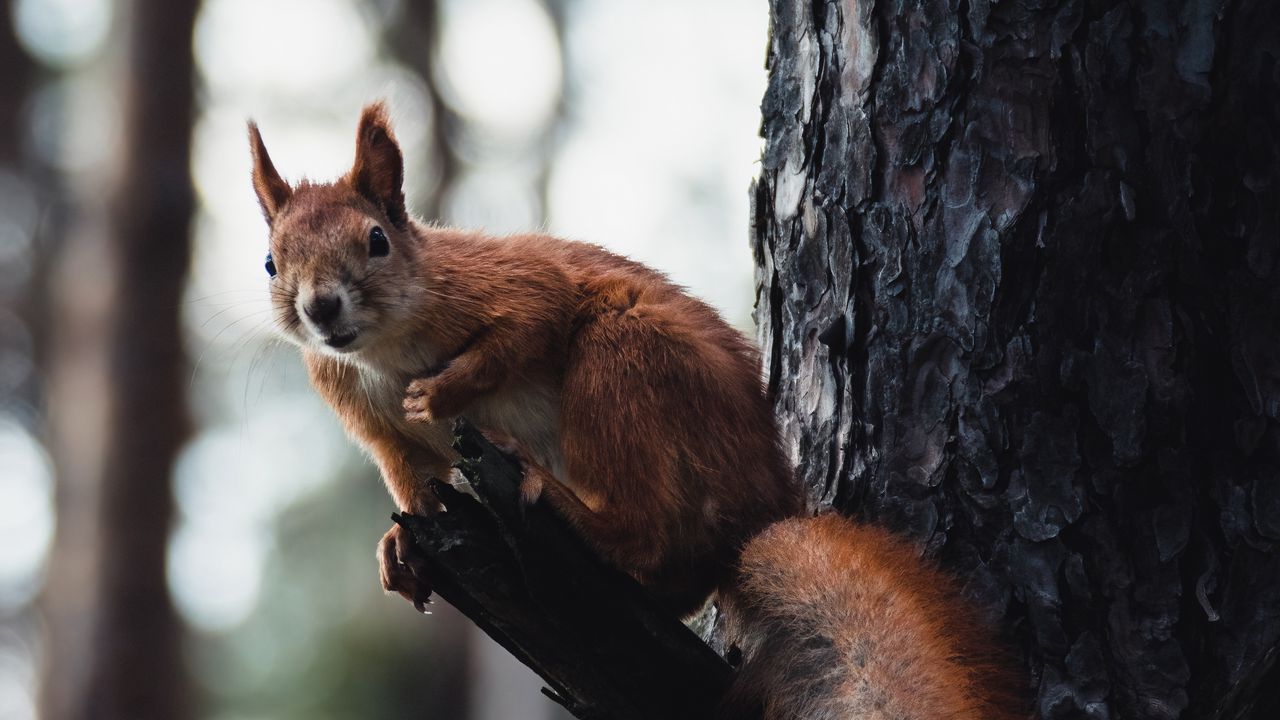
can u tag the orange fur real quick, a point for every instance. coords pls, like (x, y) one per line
(840, 620)
(642, 411)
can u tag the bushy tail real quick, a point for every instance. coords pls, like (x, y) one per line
(837, 620)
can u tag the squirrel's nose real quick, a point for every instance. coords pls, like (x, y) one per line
(323, 309)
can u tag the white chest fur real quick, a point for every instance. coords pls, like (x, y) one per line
(530, 413)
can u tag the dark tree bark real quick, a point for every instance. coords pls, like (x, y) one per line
(1019, 299)
(118, 406)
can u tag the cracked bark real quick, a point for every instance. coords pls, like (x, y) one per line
(1017, 288)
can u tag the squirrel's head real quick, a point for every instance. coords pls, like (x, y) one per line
(342, 254)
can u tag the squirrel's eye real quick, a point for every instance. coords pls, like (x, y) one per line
(271, 266)
(379, 246)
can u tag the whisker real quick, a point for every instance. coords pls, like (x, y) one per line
(228, 309)
(211, 296)
(212, 343)
(258, 356)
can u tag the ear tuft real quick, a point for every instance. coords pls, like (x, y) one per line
(378, 173)
(273, 192)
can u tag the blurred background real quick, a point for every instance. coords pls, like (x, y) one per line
(184, 529)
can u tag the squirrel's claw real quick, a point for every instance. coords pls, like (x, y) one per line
(402, 568)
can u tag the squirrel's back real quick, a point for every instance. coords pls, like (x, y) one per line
(841, 620)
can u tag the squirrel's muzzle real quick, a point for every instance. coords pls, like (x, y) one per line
(324, 309)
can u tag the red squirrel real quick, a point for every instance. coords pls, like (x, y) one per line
(645, 424)
(646, 410)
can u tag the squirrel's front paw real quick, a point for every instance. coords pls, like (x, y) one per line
(403, 569)
(430, 399)
(420, 401)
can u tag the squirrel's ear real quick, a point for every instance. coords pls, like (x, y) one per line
(378, 174)
(273, 192)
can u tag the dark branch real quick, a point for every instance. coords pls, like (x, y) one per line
(589, 630)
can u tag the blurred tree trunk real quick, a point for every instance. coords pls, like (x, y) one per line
(118, 409)
(414, 35)
(19, 71)
(1019, 298)
(23, 193)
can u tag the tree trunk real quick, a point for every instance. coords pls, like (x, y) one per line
(1019, 300)
(414, 35)
(117, 404)
(19, 76)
